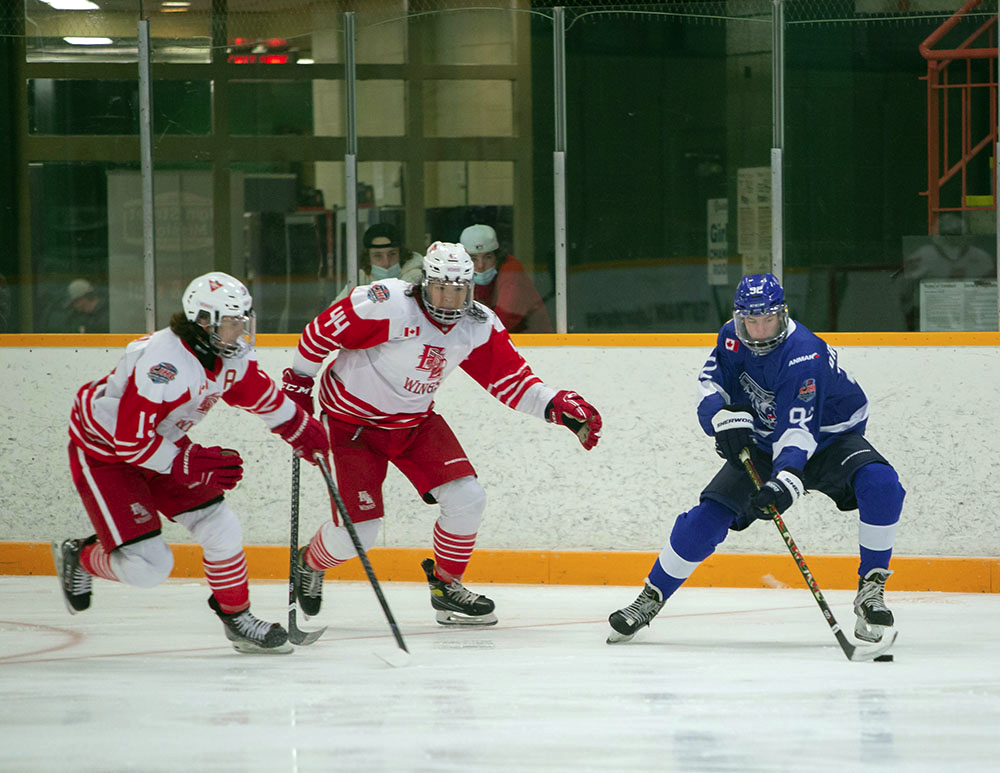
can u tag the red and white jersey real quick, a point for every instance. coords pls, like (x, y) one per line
(142, 410)
(392, 358)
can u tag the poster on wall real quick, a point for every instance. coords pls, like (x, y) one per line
(957, 305)
(753, 218)
(717, 248)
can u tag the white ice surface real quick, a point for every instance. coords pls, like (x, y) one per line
(724, 680)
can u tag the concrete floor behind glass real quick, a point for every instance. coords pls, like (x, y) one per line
(725, 680)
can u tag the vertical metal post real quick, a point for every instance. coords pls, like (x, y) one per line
(559, 164)
(146, 171)
(351, 157)
(778, 138)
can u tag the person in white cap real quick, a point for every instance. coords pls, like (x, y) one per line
(395, 343)
(82, 311)
(502, 283)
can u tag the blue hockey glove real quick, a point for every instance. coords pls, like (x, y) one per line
(733, 427)
(780, 492)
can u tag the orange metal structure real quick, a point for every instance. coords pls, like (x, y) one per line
(951, 77)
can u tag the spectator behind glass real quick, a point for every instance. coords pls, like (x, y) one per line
(83, 311)
(380, 258)
(503, 285)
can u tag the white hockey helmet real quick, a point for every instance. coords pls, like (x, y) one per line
(447, 265)
(213, 296)
(478, 239)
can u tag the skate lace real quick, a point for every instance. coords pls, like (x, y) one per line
(250, 626)
(644, 607)
(459, 593)
(79, 582)
(871, 595)
(312, 585)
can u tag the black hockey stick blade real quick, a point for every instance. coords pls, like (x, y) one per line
(295, 634)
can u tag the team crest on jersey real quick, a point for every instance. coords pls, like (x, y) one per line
(365, 501)
(732, 344)
(433, 361)
(378, 293)
(162, 372)
(140, 512)
(808, 390)
(761, 400)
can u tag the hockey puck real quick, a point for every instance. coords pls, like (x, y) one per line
(884, 659)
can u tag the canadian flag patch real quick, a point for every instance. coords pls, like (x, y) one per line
(732, 344)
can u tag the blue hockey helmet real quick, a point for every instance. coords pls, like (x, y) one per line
(760, 295)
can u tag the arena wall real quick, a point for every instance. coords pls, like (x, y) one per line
(548, 499)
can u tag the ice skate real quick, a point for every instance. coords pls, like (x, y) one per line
(626, 622)
(454, 603)
(250, 634)
(874, 616)
(74, 580)
(308, 586)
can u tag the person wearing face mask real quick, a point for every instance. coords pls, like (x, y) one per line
(503, 285)
(381, 259)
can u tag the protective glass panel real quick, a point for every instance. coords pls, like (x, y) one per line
(889, 215)
(664, 111)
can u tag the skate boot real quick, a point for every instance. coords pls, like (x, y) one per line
(869, 605)
(626, 622)
(454, 603)
(74, 580)
(308, 586)
(250, 634)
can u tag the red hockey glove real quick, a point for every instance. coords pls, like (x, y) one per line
(298, 389)
(780, 492)
(305, 435)
(199, 465)
(571, 410)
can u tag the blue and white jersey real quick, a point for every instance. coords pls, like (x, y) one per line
(801, 398)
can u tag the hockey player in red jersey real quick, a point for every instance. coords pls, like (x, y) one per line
(395, 343)
(132, 461)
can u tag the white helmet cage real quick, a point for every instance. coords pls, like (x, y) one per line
(215, 295)
(448, 265)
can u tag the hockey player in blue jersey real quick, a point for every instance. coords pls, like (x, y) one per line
(775, 387)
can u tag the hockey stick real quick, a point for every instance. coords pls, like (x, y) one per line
(853, 652)
(393, 658)
(295, 634)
